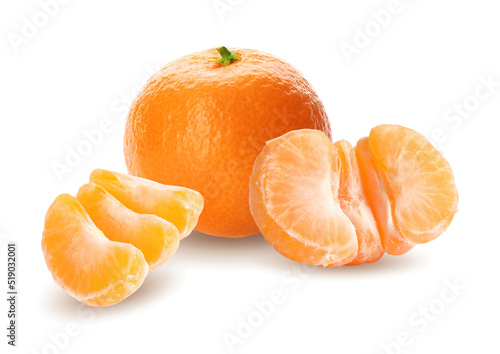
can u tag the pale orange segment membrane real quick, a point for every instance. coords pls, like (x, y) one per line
(294, 200)
(380, 200)
(88, 266)
(178, 205)
(355, 205)
(155, 237)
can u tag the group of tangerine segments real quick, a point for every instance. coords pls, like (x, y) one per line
(330, 204)
(315, 202)
(100, 245)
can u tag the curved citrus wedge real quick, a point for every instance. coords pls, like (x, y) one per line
(355, 205)
(419, 181)
(294, 199)
(87, 265)
(380, 200)
(178, 205)
(155, 237)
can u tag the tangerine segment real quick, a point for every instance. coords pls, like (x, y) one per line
(380, 199)
(157, 238)
(294, 199)
(178, 205)
(355, 205)
(425, 197)
(91, 268)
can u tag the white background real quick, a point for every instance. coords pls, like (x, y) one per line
(89, 60)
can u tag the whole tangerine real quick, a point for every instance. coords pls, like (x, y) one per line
(201, 121)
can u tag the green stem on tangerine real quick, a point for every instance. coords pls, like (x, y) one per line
(227, 57)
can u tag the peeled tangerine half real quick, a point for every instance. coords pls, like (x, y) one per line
(330, 204)
(178, 205)
(86, 264)
(157, 238)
